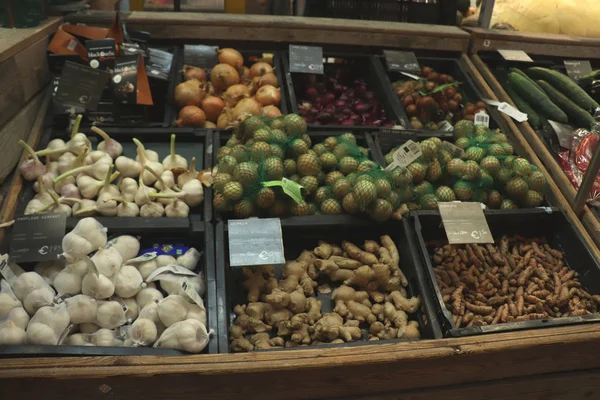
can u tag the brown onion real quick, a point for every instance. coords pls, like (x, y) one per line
(271, 112)
(223, 121)
(209, 125)
(268, 95)
(224, 75)
(246, 107)
(212, 106)
(268, 79)
(191, 116)
(245, 75)
(190, 72)
(235, 93)
(188, 93)
(231, 57)
(260, 69)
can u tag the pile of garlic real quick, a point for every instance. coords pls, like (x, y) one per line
(108, 299)
(77, 180)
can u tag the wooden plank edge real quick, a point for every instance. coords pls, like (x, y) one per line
(589, 219)
(9, 207)
(47, 27)
(531, 154)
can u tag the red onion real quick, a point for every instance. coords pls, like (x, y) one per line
(311, 92)
(340, 103)
(361, 107)
(347, 122)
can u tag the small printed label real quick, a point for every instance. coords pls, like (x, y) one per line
(291, 188)
(405, 155)
(415, 77)
(168, 270)
(445, 126)
(455, 151)
(306, 59)
(481, 118)
(512, 112)
(72, 44)
(5, 270)
(491, 102)
(192, 294)
(465, 223)
(144, 257)
(577, 68)
(255, 241)
(515, 55)
(401, 61)
(487, 43)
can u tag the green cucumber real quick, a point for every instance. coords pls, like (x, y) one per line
(566, 86)
(524, 75)
(537, 98)
(586, 81)
(535, 120)
(577, 114)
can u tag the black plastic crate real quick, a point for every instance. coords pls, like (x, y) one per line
(442, 12)
(190, 143)
(299, 237)
(363, 66)
(363, 139)
(199, 235)
(550, 224)
(248, 56)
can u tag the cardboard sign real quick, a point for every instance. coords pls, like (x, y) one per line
(86, 32)
(66, 44)
(577, 68)
(200, 56)
(101, 53)
(401, 61)
(465, 223)
(159, 64)
(306, 59)
(130, 82)
(37, 237)
(255, 241)
(80, 86)
(515, 55)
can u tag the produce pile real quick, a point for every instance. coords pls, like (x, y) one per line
(336, 175)
(339, 97)
(370, 304)
(519, 280)
(108, 299)
(488, 172)
(433, 99)
(232, 92)
(545, 94)
(76, 180)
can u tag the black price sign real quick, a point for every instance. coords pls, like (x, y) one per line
(306, 59)
(465, 223)
(401, 61)
(37, 237)
(200, 56)
(159, 64)
(255, 242)
(80, 86)
(577, 69)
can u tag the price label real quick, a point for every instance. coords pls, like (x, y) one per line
(306, 59)
(512, 112)
(192, 294)
(412, 76)
(577, 68)
(401, 61)
(169, 270)
(5, 270)
(515, 55)
(37, 237)
(201, 56)
(465, 223)
(481, 118)
(564, 132)
(255, 241)
(406, 154)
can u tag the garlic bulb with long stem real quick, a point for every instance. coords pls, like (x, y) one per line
(192, 193)
(188, 175)
(147, 177)
(142, 195)
(128, 167)
(109, 145)
(53, 145)
(177, 209)
(173, 160)
(129, 188)
(96, 170)
(105, 206)
(44, 180)
(150, 155)
(167, 178)
(85, 204)
(97, 157)
(165, 188)
(32, 168)
(126, 208)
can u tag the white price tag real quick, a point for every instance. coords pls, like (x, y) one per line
(481, 118)
(72, 44)
(445, 126)
(5, 270)
(491, 102)
(144, 257)
(415, 77)
(515, 55)
(465, 223)
(455, 151)
(512, 112)
(406, 154)
(168, 270)
(192, 294)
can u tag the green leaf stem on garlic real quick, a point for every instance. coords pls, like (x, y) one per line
(167, 178)
(142, 196)
(97, 170)
(192, 193)
(32, 168)
(177, 209)
(174, 160)
(86, 204)
(55, 148)
(147, 177)
(108, 145)
(188, 175)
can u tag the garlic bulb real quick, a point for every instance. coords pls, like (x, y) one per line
(151, 312)
(8, 301)
(152, 210)
(49, 269)
(78, 339)
(85, 204)
(38, 333)
(175, 308)
(110, 315)
(189, 335)
(97, 285)
(143, 332)
(48, 324)
(129, 188)
(27, 283)
(128, 167)
(190, 259)
(105, 337)
(147, 267)
(68, 281)
(88, 327)
(75, 247)
(91, 230)
(133, 310)
(173, 160)
(171, 283)
(128, 282)
(164, 259)
(38, 298)
(11, 334)
(127, 209)
(108, 261)
(167, 180)
(127, 245)
(19, 317)
(82, 309)
(177, 209)
(146, 296)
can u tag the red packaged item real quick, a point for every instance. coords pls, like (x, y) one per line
(575, 162)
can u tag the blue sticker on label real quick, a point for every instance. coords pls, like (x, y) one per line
(166, 249)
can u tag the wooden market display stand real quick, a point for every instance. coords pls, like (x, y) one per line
(552, 363)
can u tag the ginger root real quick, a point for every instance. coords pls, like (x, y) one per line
(356, 253)
(258, 280)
